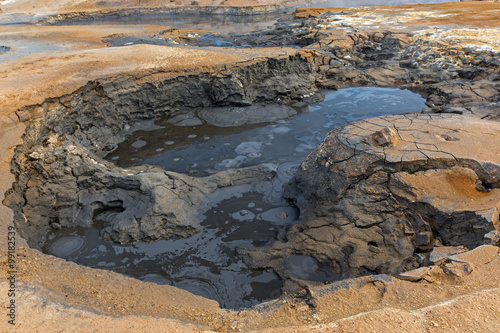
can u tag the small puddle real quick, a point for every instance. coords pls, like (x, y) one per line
(208, 140)
(23, 48)
(17, 19)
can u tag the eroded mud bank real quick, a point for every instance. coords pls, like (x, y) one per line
(60, 168)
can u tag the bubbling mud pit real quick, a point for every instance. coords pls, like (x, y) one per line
(205, 142)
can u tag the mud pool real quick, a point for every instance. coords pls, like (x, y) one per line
(224, 23)
(188, 143)
(204, 141)
(221, 23)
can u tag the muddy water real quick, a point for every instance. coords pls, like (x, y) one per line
(207, 263)
(221, 23)
(205, 148)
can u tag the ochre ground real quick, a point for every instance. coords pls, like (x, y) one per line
(63, 6)
(56, 295)
(476, 13)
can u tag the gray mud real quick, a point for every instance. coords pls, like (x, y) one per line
(203, 149)
(248, 216)
(205, 264)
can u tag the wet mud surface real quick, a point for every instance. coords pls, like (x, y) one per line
(205, 264)
(178, 146)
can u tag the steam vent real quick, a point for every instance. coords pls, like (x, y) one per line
(262, 166)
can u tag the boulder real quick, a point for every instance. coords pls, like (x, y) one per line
(441, 254)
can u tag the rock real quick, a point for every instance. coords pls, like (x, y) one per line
(367, 208)
(385, 137)
(377, 36)
(424, 240)
(492, 237)
(415, 275)
(457, 269)
(440, 254)
(23, 115)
